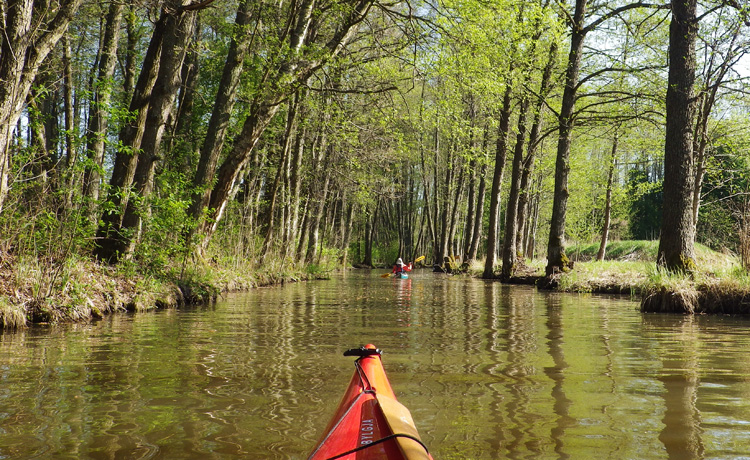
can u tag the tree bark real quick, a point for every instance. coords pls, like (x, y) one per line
(470, 207)
(511, 212)
(676, 243)
(70, 122)
(322, 196)
(700, 144)
(127, 156)
(528, 162)
(501, 153)
(608, 202)
(181, 133)
(454, 211)
(476, 231)
(556, 259)
(295, 185)
(96, 131)
(222, 109)
(279, 181)
(27, 39)
(178, 26)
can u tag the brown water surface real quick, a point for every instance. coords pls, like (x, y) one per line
(489, 372)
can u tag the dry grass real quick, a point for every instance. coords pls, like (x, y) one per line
(34, 291)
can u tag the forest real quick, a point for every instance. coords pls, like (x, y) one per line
(159, 137)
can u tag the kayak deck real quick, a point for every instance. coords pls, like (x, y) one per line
(369, 422)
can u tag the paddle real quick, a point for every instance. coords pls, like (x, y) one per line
(418, 259)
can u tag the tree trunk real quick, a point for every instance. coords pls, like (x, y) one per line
(470, 207)
(221, 112)
(676, 242)
(369, 235)
(528, 162)
(127, 156)
(427, 195)
(608, 202)
(533, 225)
(700, 143)
(182, 131)
(70, 123)
(280, 181)
(501, 153)
(454, 210)
(476, 231)
(511, 212)
(445, 202)
(178, 27)
(96, 132)
(556, 259)
(27, 39)
(295, 180)
(344, 261)
(317, 215)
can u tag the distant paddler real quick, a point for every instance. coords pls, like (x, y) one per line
(400, 269)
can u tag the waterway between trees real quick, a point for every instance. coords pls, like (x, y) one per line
(488, 371)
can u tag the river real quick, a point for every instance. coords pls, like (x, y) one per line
(489, 371)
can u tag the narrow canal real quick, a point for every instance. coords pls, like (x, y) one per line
(488, 371)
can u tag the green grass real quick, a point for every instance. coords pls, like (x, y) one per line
(642, 250)
(607, 276)
(646, 251)
(719, 286)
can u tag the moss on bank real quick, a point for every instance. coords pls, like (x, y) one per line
(34, 291)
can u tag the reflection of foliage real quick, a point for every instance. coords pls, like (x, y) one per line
(645, 206)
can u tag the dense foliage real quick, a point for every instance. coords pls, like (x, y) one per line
(303, 133)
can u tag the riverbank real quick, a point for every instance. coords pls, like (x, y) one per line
(76, 290)
(720, 286)
(32, 291)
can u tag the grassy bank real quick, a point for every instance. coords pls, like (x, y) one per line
(720, 286)
(75, 290)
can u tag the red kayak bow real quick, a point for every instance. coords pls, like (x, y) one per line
(369, 423)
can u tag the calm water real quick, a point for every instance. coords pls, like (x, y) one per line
(488, 371)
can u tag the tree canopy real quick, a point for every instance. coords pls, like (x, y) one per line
(302, 132)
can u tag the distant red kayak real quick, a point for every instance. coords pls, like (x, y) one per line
(369, 423)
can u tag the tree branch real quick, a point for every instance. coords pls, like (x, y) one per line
(622, 9)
